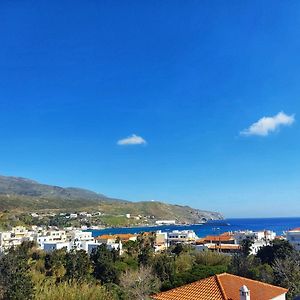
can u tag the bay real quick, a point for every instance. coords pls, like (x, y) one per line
(279, 225)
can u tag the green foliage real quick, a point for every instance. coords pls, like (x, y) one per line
(184, 262)
(130, 262)
(277, 263)
(209, 258)
(188, 267)
(164, 267)
(15, 279)
(55, 264)
(131, 247)
(118, 221)
(77, 266)
(279, 249)
(262, 272)
(28, 273)
(246, 246)
(242, 265)
(103, 264)
(196, 273)
(145, 256)
(72, 291)
(178, 249)
(145, 248)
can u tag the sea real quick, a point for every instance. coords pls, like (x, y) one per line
(279, 225)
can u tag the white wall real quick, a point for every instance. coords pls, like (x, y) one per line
(281, 297)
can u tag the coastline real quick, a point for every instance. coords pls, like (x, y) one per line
(279, 225)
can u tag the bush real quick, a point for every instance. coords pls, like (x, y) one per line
(209, 258)
(74, 291)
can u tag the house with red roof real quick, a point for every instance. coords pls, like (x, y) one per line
(224, 287)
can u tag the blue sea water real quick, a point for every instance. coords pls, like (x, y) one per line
(279, 225)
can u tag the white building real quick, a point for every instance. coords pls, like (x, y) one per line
(293, 236)
(165, 222)
(51, 246)
(181, 236)
(266, 235)
(15, 237)
(79, 235)
(260, 238)
(52, 236)
(161, 239)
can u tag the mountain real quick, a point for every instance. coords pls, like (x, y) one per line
(21, 194)
(28, 187)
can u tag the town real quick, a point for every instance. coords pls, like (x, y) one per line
(49, 238)
(125, 258)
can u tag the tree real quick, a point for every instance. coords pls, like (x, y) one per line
(211, 258)
(103, 264)
(183, 262)
(262, 272)
(164, 267)
(15, 280)
(145, 248)
(139, 284)
(145, 256)
(246, 246)
(77, 265)
(55, 264)
(278, 249)
(131, 247)
(178, 249)
(287, 274)
(242, 265)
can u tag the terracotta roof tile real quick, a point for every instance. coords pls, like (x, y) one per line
(122, 236)
(258, 290)
(224, 237)
(206, 289)
(222, 287)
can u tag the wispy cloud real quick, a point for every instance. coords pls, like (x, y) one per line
(132, 140)
(266, 125)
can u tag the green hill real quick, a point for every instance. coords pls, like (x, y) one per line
(22, 195)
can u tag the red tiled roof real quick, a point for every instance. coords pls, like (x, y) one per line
(224, 237)
(121, 236)
(206, 289)
(222, 287)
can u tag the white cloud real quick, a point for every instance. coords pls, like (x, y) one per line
(266, 125)
(132, 140)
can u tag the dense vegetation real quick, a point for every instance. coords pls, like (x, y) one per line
(29, 273)
(277, 263)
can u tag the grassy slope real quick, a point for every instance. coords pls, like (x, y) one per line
(157, 209)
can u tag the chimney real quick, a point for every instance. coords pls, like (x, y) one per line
(244, 293)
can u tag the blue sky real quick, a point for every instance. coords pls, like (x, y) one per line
(185, 80)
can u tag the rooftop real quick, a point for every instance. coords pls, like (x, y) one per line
(224, 237)
(122, 236)
(222, 287)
